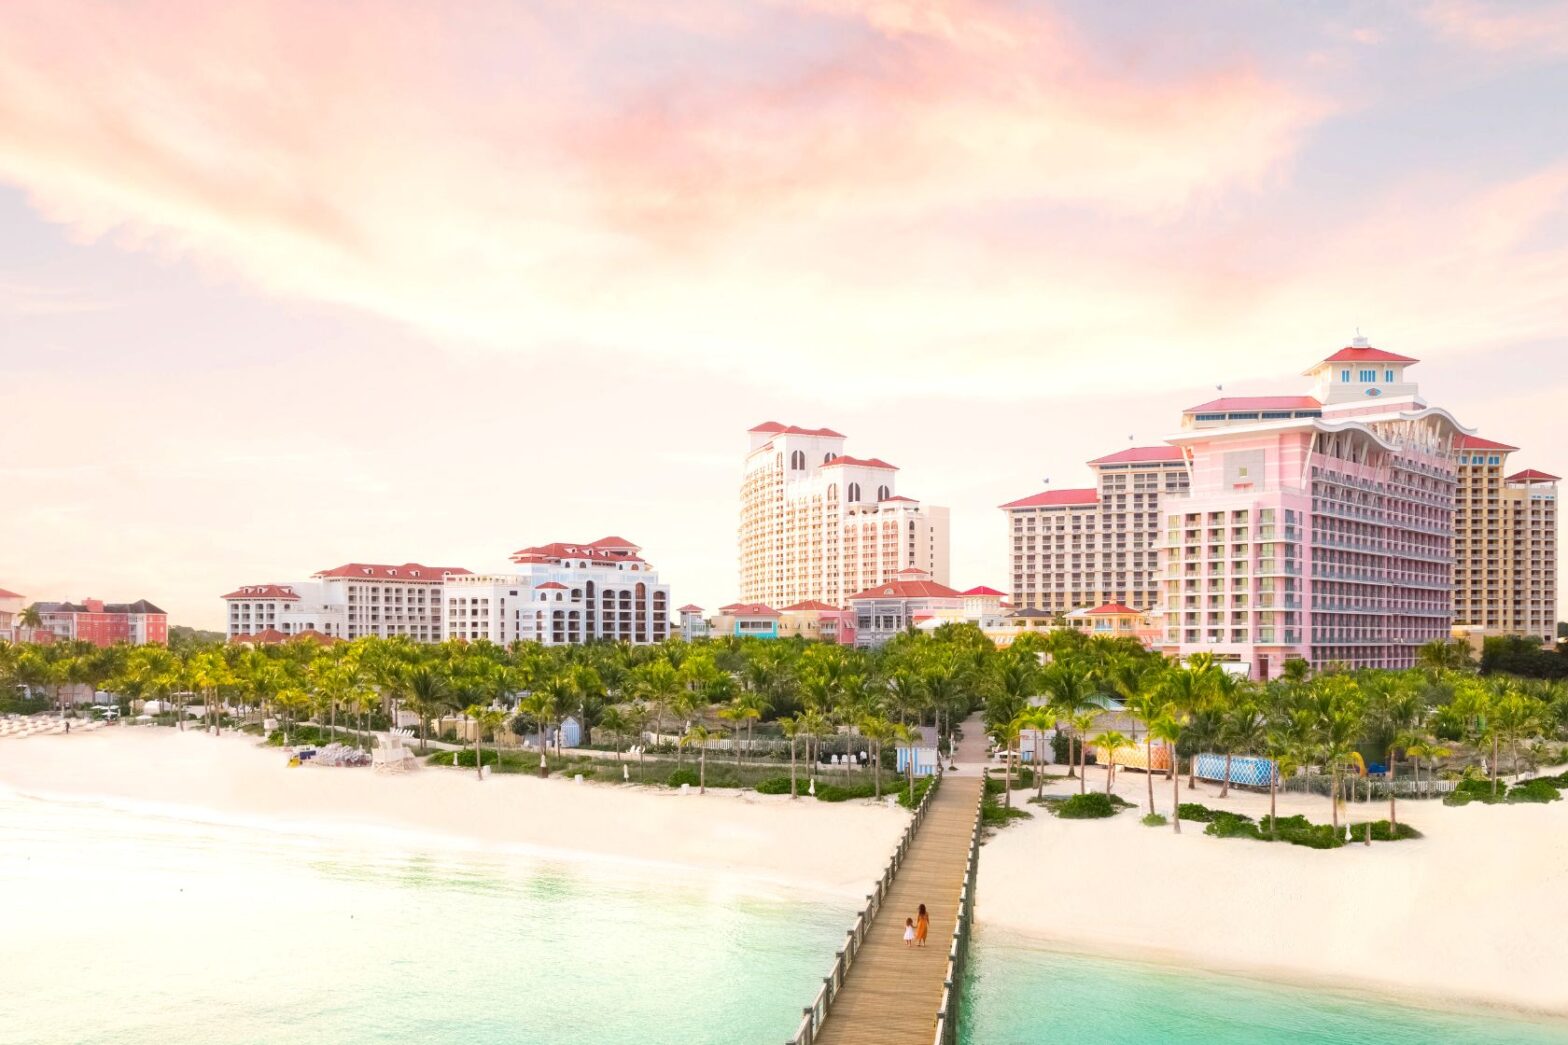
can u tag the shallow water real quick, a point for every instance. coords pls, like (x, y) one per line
(1014, 993)
(134, 926)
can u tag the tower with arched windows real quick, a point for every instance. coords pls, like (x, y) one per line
(818, 524)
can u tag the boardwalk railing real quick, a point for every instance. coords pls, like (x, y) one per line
(822, 1004)
(953, 980)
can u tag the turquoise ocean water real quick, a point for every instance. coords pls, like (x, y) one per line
(1019, 994)
(131, 927)
(138, 926)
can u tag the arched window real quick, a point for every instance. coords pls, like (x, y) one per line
(882, 493)
(832, 491)
(797, 461)
(852, 493)
(828, 456)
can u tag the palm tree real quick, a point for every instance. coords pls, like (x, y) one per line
(700, 734)
(486, 720)
(615, 723)
(30, 619)
(1166, 726)
(541, 705)
(791, 725)
(1006, 735)
(1110, 742)
(1425, 747)
(877, 730)
(739, 710)
(427, 690)
(1242, 728)
(1081, 723)
(1068, 686)
(1039, 720)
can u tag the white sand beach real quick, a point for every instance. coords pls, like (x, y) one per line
(834, 849)
(1474, 913)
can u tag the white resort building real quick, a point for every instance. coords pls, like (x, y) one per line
(819, 525)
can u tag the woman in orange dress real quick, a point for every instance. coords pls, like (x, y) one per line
(922, 925)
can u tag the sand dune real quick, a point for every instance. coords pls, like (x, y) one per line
(1473, 913)
(805, 844)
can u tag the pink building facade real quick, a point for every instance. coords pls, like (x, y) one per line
(1318, 527)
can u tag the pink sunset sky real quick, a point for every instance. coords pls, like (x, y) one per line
(289, 285)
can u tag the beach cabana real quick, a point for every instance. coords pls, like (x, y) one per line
(1247, 770)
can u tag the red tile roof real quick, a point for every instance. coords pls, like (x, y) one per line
(599, 551)
(1231, 404)
(264, 591)
(1056, 497)
(907, 590)
(774, 428)
(616, 542)
(265, 637)
(983, 590)
(553, 585)
(899, 497)
(1113, 607)
(748, 609)
(1475, 442)
(409, 571)
(809, 604)
(860, 462)
(1141, 455)
(690, 608)
(316, 636)
(1356, 354)
(1531, 475)
(10, 594)
(912, 570)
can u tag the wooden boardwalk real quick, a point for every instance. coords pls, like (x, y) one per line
(892, 993)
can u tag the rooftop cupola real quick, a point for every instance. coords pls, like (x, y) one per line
(1361, 374)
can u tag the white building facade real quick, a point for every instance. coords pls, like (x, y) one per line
(819, 525)
(353, 601)
(564, 593)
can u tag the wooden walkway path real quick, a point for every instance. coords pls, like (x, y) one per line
(892, 993)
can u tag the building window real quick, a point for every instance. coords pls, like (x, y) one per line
(1344, 375)
(797, 461)
(852, 492)
(883, 493)
(1369, 376)
(1388, 375)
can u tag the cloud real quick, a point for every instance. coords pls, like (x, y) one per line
(697, 183)
(1531, 28)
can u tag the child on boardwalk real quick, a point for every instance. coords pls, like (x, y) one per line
(909, 932)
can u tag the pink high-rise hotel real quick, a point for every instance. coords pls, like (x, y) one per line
(1318, 526)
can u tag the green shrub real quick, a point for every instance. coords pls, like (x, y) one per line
(1154, 820)
(1314, 836)
(1091, 806)
(683, 776)
(995, 815)
(922, 785)
(1537, 790)
(1458, 798)
(466, 758)
(843, 792)
(1282, 824)
(1203, 814)
(1061, 748)
(1480, 790)
(1231, 825)
(774, 785)
(1382, 832)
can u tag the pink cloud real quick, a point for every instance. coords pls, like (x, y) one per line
(1540, 29)
(645, 179)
